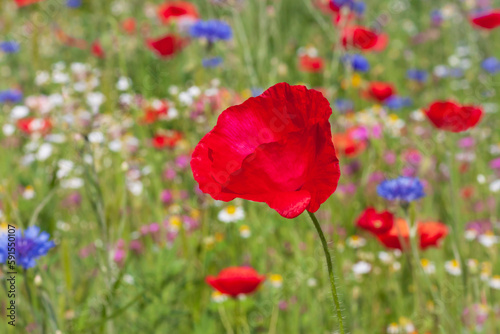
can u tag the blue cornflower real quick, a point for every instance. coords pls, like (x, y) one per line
(491, 65)
(406, 189)
(212, 62)
(30, 244)
(417, 75)
(9, 46)
(73, 3)
(3, 247)
(397, 102)
(11, 95)
(212, 30)
(344, 105)
(358, 62)
(358, 7)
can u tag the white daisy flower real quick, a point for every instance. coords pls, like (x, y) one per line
(231, 214)
(453, 267)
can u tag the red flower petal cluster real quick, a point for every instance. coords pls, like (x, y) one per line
(275, 148)
(450, 116)
(375, 222)
(429, 235)
(234, 281)
(363, 38)
(166, 46)
(489, 20)
(175, 10)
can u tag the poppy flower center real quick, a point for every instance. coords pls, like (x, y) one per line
(377, 223)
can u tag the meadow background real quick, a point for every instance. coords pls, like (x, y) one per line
(135, 239)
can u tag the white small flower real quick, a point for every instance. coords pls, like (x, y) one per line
(393, 328)
(73, 183)
(276, 280)
(453, 267)
(495, 186)
(42, 78)
(231, 214)
(57, 138)
(44, 152)
(361, 268)
(495, 282)
(19, 112)
(481, 179)
(470, 234)
(123, 83)
(245, 232)
(173, 90)
(312, 282)
(65, 167)
(29, 192)
(59, 77)
(356, 241)
(115, 145)
(488, 239)
(8, 129)
(186, 98)
(96, 137)
(194, 91)
(129, 279)
(94, 100)
(428, 266)
(218, 297)
(385, 257)
(135, 187)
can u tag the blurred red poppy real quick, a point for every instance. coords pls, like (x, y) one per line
(450, 116)
(375, 222)
(431, 233)
(234, 281)
(22, 3)
(129, 25)
(310, 64)
(35, 125)
(161, 141)
(346, 145)
(490, 20)
(166, 46)
(359, 37)
(249, 154)
(175, 10)
(380, 91)
(97, 49)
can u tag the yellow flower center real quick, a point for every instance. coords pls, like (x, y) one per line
(231, 209)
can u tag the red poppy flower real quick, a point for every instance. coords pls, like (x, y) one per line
(234, 281)
(34, 125)
(311, 64)
(359, 37)
(391, 239)
(129, 25)
(97, 49)
(431, 233)
(22, 3)
(177, 10)
(489, 20)
(345, 144)
(152, 114)
(249, 153)
(380, 91)
(375, 222)
(161, 141)
(449, 116)
(166, 46)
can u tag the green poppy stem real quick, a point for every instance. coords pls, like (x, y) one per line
(329, 263)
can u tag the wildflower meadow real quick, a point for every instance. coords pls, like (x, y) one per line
(250, 166)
